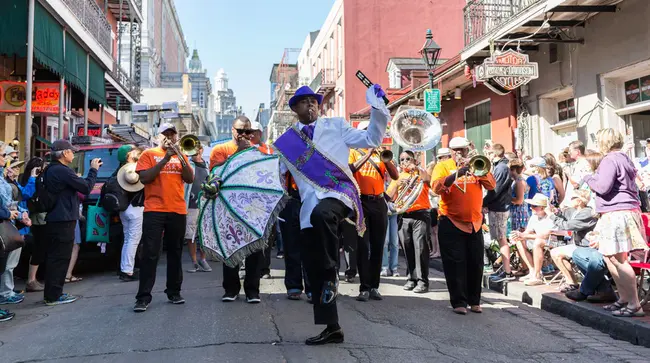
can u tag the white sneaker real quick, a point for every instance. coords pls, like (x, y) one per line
(203, 266)
(195, 267)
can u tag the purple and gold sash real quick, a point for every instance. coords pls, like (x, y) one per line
(302, 157)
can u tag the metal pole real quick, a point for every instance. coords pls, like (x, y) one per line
(86, 95)
(61, 97)
(119, 37)
(101, 118)
(431, 79)
(29, 75)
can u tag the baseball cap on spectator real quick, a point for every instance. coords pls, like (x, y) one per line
(443, 151)
(256, 126)
(165, 127)
(537, 161)
(61, 145)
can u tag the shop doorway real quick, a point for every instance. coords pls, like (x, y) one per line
(640, 123)
(478, 126)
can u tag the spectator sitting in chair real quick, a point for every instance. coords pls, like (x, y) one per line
(535, 236)
(578, 219)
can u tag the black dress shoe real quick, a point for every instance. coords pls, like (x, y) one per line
(326, 337)
(363, 296)
(375, 295)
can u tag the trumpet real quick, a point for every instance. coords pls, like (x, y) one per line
(386, 156)
(187, 145)
(479, 165)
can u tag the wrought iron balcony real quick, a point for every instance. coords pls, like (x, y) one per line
(324, 81)
(481, 17)
(129, 84)
(92, 17)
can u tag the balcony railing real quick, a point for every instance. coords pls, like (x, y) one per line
(92, 17)
(122, 77)
(324, 81)
(483, 16)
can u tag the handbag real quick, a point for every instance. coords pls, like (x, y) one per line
(97, 223)
(10, 238)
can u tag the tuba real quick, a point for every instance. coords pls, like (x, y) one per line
(407, 195)
(189, 144)
(416, 130)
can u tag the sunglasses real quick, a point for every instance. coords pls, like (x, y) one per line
(405, 159)
(3, 155)
(244, 131)
(457, 150)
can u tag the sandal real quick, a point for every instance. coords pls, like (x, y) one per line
(615, 306)
(626, 312)
(476, 309)
(564, 288)
(73, 279)
(460, 310)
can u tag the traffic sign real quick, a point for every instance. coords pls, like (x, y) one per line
(432, 100)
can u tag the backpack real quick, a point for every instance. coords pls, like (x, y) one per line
(42, 201)
(113, 197)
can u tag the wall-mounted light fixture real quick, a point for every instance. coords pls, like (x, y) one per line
(457, 93)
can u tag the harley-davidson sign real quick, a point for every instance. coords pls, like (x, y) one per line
(509, 70)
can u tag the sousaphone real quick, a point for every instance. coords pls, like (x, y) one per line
(416, 130)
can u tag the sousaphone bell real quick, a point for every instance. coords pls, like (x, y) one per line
(416, 130)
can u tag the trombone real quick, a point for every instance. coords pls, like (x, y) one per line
(188, 145)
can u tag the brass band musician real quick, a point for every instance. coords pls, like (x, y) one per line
(411, 195)
(459, 227)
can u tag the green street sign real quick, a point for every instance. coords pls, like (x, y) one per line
(432, 100)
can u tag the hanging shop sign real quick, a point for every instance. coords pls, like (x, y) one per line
(93, 130)
(506, 71)
(45, 97)
(637, 90)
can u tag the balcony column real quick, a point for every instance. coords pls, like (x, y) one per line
(30, 76)
(102, 119)
(132, 35)
(86, 94)
(119, 37)
(61, 96)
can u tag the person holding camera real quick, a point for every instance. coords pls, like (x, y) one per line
(63, 184)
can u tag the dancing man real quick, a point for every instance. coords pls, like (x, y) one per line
(163, 174)
(241, 140)
(459, 227)
(370, 171)
(315, 151)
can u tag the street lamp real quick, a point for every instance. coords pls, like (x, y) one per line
(430, 52)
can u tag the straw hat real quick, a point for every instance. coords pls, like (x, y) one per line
(443, 151)
(539, 200)
(128, 179)
(583, 195)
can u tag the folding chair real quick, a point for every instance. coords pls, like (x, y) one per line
(557, 239)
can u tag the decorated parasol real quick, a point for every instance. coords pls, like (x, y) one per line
(239, 205)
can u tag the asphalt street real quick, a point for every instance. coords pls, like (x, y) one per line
(404, 327)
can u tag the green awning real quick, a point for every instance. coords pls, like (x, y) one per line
(75, 63)
(13, 27)
(48, 40)
(97, 84)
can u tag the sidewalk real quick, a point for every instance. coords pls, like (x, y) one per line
(633, 330)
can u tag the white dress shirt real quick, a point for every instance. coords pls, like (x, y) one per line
(334, 137)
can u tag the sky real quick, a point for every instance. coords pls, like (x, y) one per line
(246, 37)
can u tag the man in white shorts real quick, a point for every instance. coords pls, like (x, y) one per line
(201, 172)
(536, 236)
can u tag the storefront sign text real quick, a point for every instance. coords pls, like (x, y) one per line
(45, 97)
(509, 70)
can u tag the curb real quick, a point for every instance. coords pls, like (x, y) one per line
(591, 315)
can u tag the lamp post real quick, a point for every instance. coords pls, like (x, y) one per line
(430, 52)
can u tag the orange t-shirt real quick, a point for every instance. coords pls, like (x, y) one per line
(422, 202)
(463, 209)
(264, 148)
(371, 181)
(167, 192)
(220, 153)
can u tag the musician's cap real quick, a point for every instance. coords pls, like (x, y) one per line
(61, 145)
(537, 161)
(166, 126)
(363, 125)
(302, 92)
(443, 151)
(458, 143)
(539, 200)
(122, 152)
(256, 126)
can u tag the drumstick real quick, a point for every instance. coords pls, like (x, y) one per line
(362, 77)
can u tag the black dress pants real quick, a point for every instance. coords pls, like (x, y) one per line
(349, 243)
(371, 245)
(253, 265)
(266, 261)
(290, 230)
(321, 254)
(60, 237)
(154, 225)
(39, 247)
(414, 233)
(462, 262)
